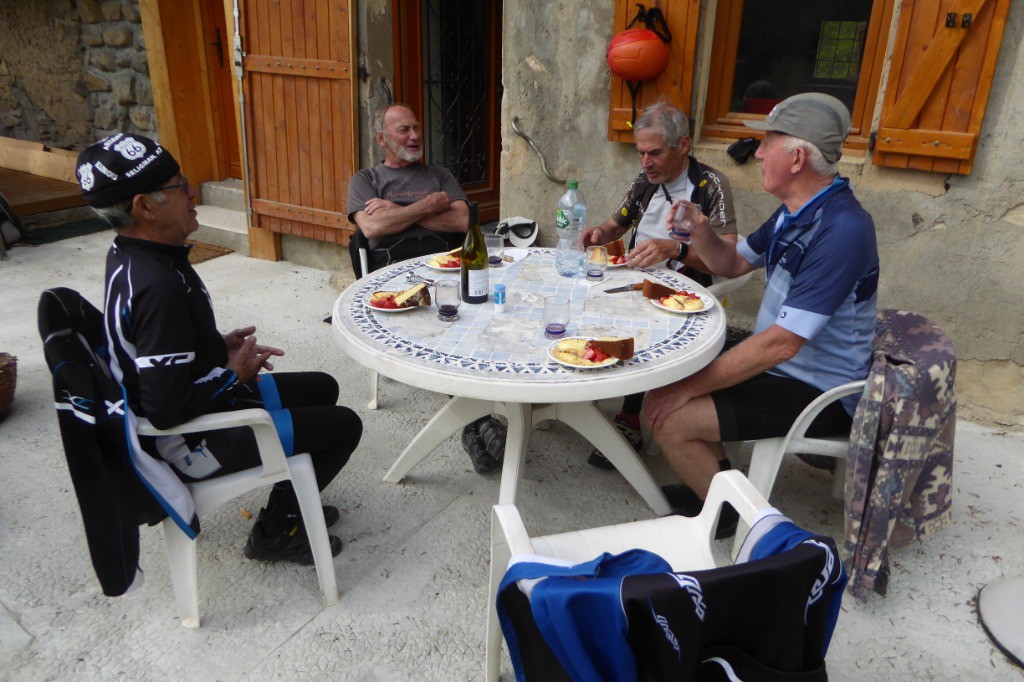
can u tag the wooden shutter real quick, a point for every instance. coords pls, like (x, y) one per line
(939, 83)
(675, 83)
(300, 124)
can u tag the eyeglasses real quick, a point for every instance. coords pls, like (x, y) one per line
(166, 188)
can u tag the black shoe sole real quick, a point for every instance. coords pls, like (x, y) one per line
(271, 556)
(598, 460)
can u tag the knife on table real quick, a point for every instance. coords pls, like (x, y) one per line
(628, 287)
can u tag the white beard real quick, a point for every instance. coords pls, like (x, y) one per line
(404, 154)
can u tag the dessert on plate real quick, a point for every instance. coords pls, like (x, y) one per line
(417, 295)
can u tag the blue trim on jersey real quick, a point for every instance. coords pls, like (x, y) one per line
(821, 283)
(180, 522)
(600, 650)
(787, 535)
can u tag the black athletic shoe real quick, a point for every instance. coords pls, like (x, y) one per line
(634, 436)
(331, 515)
(290, 545)
(484, 441)
(684, 502)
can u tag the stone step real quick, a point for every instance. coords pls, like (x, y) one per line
(223, 194)
(223, 227)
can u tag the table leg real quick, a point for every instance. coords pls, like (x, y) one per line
(520, 424)
(449, 420)
(593, 425)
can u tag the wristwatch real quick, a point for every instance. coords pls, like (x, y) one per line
(684, 249)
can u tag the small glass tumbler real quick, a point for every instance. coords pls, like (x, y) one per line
(682, 220)
(495, 249)
(447, 297)
(556, 316)
(596, 262)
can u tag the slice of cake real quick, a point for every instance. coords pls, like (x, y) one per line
(655, 290)
(417, 295)
(621, 348)
(615, 248)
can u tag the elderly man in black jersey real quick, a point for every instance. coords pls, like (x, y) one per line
(165, 350)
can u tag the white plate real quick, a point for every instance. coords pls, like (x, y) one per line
(612, 266)
(551, 354)
(709, 303)
(366, 302)
(426, 261)
(440, 269)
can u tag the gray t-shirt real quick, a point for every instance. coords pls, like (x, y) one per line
(402, 186)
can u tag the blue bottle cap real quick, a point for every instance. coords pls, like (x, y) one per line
(499, 287)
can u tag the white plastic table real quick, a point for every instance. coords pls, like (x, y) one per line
(498, 363)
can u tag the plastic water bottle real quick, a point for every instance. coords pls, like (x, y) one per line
(570, 220)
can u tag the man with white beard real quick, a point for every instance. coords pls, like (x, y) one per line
(405, 208)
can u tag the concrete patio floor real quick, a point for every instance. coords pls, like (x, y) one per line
(413, 573)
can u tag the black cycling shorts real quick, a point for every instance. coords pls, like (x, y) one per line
(766, 406)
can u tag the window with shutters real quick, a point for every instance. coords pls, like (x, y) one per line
(766, 50)
(942, 62)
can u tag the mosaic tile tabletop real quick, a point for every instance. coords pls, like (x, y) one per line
(511, 346)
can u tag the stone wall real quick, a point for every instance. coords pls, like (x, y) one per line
(73, 72)
(43, 97)
(951, 246)
(117, 74)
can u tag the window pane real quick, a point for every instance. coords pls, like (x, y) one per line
(792, 46)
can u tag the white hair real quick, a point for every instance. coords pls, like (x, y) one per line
(119, 215)
(819, 164)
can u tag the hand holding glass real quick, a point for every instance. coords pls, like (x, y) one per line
(447, 296)
(495, 249)
(682, 218)
(596, 262)
(556, 316)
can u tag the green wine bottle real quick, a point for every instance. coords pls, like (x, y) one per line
(475, 285)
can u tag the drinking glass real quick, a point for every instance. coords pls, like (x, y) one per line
(682, 220)
(596, 261)
(447, 297)
(556, 316)
(495, 249)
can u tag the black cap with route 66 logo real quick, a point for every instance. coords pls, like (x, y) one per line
(117, 168)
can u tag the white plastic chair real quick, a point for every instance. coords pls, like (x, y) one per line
(766, 457)
(364, 268)
(722, 286)
(211, 493)
(684, 542)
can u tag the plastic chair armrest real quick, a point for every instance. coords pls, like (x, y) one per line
(732, 487)
(512, 528)
(725, 286)
(267, 442)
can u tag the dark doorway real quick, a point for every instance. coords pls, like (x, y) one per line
(448, 68)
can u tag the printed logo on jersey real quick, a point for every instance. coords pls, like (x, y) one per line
(168, 360)
(822, 581)
(130, 148)
(662, 621)
(692, 587)
(77, 406)
(85, 177)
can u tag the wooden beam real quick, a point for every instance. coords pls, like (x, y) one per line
(38, 159)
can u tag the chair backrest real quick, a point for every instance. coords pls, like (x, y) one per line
(91, 414)
(772, 615)
(357, 246)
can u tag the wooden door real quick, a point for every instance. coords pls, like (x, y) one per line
(300, 125)
(217, 45)
(448, 69)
